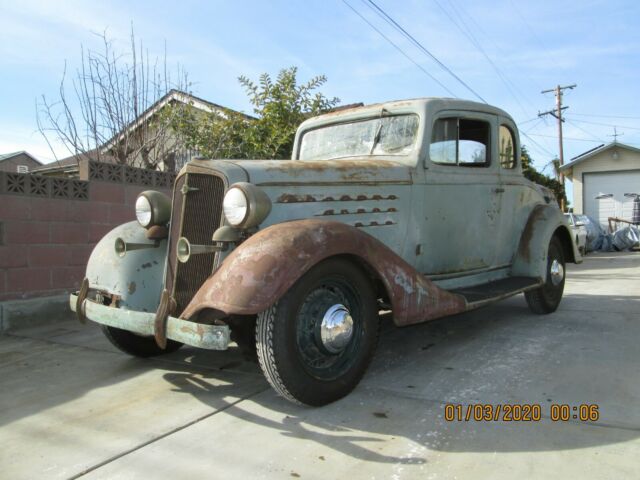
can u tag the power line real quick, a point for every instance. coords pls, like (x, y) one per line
(464, 28)
(406, 55)
(421, 47)
(606, 124)
(583, 130)
(535, 125)
(566, 138)
(604, 116)
(533, 33)
(540, 147)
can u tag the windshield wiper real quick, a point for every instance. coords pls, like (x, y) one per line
(376, 137)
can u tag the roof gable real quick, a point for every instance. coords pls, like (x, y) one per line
(172, 96)
(596, 151)
(9, 156)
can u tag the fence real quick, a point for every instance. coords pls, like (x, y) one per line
(49, 225)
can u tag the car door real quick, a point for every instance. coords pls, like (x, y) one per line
(516, 196)
(461, 196)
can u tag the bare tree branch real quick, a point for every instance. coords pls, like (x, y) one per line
(99, 112)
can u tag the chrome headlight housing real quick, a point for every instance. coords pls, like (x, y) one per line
(153, 208)
(245, 205)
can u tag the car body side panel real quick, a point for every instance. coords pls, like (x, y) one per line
(258, 272)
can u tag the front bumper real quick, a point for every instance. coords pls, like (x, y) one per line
(211, 337)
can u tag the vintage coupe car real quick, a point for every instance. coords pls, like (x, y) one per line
(418, 207)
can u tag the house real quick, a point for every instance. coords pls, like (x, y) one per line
(165, 145)
(20, 162)
(601, 177)
(68, 167)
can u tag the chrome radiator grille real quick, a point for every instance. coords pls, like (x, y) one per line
(196, 215)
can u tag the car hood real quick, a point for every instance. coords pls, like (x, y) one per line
(363, 171)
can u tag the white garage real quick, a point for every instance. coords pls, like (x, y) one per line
(604, 194)
(601, 177)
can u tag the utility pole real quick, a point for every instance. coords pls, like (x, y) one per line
(557, 113)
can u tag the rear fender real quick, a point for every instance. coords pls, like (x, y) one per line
(137, 277)
(259, 271)
(544, 222)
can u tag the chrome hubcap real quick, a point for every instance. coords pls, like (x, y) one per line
(336, 328)
(557, 272)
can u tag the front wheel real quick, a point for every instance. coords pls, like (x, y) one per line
(316, 342)
(546, 298)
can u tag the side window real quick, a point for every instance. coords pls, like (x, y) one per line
(460, 141)
(506, 146)
(443, 148)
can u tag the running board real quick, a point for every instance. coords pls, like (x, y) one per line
(479, 295)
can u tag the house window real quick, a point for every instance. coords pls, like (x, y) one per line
(506, 145)
(22, 169)
(460, 141)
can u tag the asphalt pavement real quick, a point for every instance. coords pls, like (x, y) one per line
(73, 406)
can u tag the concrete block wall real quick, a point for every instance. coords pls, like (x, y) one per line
(45, 241)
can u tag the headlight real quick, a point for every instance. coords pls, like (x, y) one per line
(245, 205)
(153, 208)
(235, 206)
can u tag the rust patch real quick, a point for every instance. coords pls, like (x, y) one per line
(359, 211)
(524, 249)
(293, 198)
(157, 232)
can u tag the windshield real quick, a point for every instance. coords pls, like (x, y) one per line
(393, 135)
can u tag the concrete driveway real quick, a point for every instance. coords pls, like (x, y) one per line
(71, 406)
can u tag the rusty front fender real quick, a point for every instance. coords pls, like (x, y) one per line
(258, 272)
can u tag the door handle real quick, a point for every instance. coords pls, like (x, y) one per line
(498, 190)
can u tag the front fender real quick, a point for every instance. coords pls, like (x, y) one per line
(137, 277)
(259, 271)
(544, 222)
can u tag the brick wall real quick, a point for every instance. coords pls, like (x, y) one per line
(48, 226)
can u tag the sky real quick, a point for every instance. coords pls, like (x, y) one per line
(506, 51)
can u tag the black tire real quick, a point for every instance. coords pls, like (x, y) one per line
(243, 332)
(137, 345)
(545, 299)
(289, 344)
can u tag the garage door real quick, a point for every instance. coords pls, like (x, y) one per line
(610, 187)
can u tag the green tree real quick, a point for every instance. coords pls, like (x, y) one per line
(534, 175)
(279, 107)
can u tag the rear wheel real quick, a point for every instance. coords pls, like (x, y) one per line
(316, 342)
(137, 345)
(546, 298)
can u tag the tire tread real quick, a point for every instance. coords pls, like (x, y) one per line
(266, 355)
